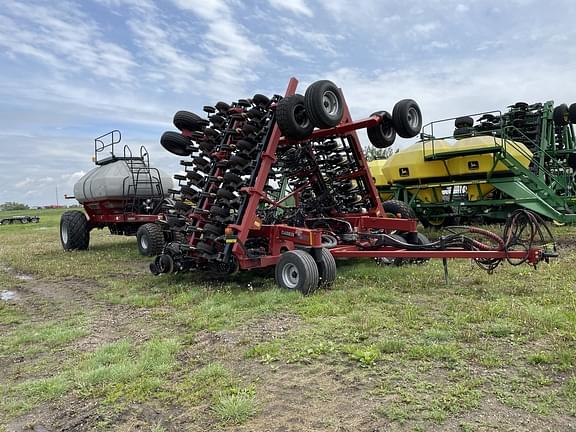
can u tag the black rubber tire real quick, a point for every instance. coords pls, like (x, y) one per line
(248, 129)
(396, 207)
(207, 146)
(383, 134)
(195, 176)
(438, 222)
(407, 118)
(188, 190)
(326, 269)
(561, 115)
(150, 239)
(422, 239)
(74, 232)
(226, 194)
(182, 206)
(232, 178)
(176, 143)
(222, 106)
(245, 145)
(572, 113)
(260, 100)
(297, 270)
(185, 120)
(464, 122)
(35, 220)
(23, 220)
(324, 104)
(292, 117)
(255, 113)
(201, 163)
(219, 211)
(463, 132)
(213, 229)
(239, 161)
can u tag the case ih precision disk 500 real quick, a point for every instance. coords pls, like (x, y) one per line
(283, 182)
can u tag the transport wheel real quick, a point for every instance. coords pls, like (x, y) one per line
(292, 118)
(150, 239)
(572, 113)
(74, 232)
(462, 122)
(396, 207)
(438, 219)
(324, 104)
(407, 118)
(326, 269)
(561, 115)
(35, 220)
(23, 221)
(185, 120)
(383, 134)
(176, 143)
(297, 270)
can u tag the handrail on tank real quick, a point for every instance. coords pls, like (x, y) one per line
(430, 137)
(145, 156)
(504, 142)
(100, 145)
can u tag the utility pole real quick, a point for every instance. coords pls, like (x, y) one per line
(57, 205)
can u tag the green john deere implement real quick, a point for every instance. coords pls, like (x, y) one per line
(490, 165)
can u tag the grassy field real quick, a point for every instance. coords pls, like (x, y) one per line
(92, 341)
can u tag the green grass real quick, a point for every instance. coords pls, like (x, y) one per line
(235, 408)
(424, 353)
(117, 373)
(31, 338)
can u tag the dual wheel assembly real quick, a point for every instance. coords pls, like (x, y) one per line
(322, 106)
(298, 270)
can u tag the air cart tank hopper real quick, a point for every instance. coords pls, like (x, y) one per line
(123, 193)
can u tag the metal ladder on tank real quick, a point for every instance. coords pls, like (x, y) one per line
(144, 179)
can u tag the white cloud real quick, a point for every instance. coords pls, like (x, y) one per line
(295, 6)
(210, 10)
(62, 37)
(233, 55)
(289, 51)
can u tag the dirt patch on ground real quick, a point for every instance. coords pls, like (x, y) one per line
(495, 416)
(295, 397)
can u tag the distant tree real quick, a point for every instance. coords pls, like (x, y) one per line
(7, 206)
(373, 153)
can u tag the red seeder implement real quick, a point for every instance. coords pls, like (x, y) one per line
(283, 182)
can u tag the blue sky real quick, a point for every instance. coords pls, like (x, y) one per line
(72, 70)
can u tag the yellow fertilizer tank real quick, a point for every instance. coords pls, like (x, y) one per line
(440, 159)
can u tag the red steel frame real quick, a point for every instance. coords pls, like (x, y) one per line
(284, 237)
(110, 212)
